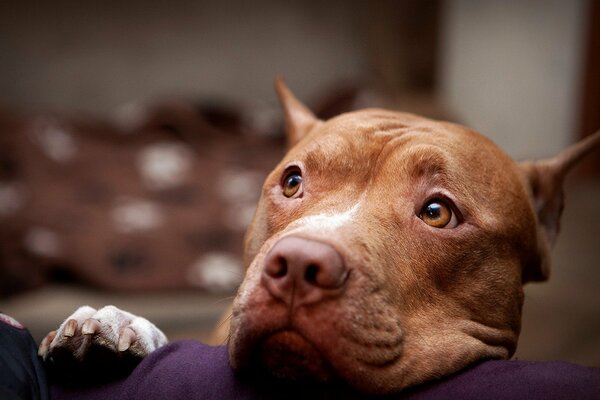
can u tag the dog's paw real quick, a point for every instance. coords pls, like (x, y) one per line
(93, 346)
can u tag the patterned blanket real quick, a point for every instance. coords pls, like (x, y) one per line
(157, 199)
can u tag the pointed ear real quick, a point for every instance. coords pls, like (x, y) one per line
(546, 179)
(298, 118)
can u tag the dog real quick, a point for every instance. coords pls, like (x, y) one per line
(387, 250)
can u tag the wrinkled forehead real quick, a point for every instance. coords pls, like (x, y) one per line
(363, 140)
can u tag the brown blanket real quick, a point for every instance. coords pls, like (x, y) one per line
(160, 200)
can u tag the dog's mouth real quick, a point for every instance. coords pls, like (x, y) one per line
(288, 355)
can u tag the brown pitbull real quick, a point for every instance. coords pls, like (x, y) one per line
(387, 250)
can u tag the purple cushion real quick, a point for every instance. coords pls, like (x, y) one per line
(192, 370)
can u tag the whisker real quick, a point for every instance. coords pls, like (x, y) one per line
(225, 320)
(221, 300)
(226, 340)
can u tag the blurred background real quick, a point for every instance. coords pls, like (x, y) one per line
(134, 138)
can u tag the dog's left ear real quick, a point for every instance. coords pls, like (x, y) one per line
(299, 119)
(546, 179)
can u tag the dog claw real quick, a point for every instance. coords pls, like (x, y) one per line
(90, 326)
(70, 328)
(45, 345)
(126, 338)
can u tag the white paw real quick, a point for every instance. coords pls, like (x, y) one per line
(99, 344)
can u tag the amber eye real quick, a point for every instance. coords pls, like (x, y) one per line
(292, 184)
(438, 214)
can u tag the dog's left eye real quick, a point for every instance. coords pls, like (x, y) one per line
(292, 184)
(438, 214)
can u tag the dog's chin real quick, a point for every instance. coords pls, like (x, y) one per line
(288, 355)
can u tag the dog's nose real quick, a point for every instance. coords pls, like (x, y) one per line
(302, 271)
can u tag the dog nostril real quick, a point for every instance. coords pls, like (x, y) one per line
(279, 269)
(310, 275)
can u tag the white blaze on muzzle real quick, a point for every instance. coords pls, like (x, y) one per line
(324, 222)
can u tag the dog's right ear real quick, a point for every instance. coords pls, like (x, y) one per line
(546, 179)
(299, 120)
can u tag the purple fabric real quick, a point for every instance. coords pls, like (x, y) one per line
(192, 370)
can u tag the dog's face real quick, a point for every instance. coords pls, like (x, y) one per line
(431, 231)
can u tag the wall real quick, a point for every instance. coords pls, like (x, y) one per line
(511, 70)
(94, 56)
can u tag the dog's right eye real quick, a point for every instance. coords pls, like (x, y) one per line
(292, 184)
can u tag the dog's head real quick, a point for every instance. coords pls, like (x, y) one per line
(389, 249)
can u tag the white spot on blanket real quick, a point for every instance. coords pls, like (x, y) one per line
(42, 242)
(238, 186)
(164, 165)
(134, 215)
(240, 190)
(216, 272)
(239, 217)
(131, 116)
(11, 199)
(56, 142)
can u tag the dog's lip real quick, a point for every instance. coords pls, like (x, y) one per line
(286, 353)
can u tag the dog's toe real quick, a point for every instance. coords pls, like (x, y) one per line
(45, 344)
(90, 326)
(127, 337)
(70, 328)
